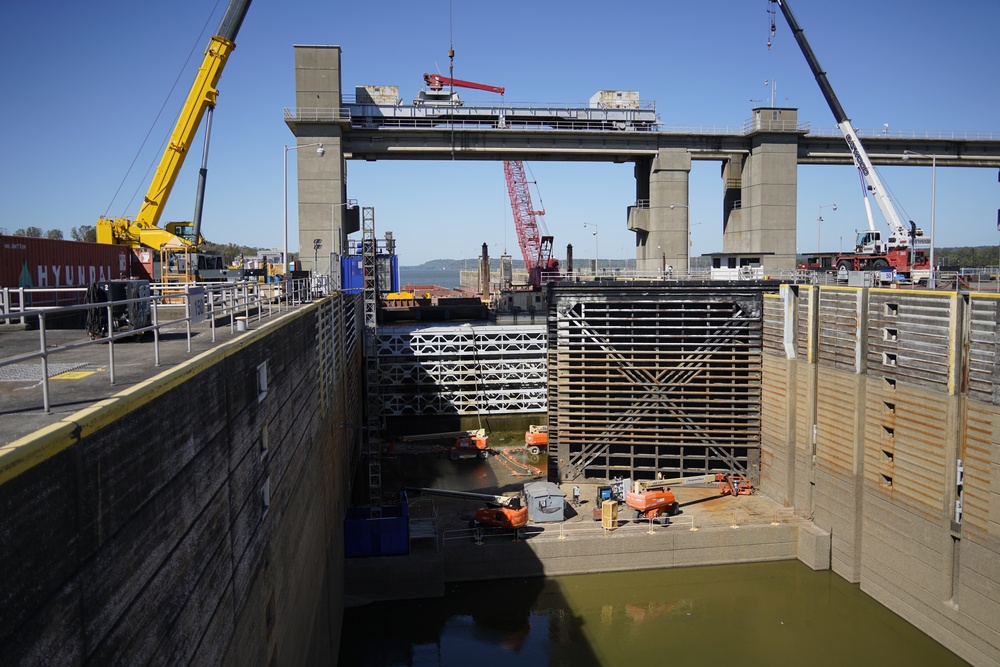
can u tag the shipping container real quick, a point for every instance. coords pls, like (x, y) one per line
(615, 99)
(352, 276)
(49, 263)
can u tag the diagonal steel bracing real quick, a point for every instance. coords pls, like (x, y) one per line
(659, 387)
(662, 379)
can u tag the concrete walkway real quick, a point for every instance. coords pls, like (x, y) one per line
(81, 375)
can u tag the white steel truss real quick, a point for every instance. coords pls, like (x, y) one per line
(463, 369)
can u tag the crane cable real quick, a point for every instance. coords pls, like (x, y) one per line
(770, 16)
(163, 106)
(451, 75)
(541, 212)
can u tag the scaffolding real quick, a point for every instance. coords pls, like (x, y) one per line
(373, 412)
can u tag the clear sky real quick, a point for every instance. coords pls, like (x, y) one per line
(86, 80)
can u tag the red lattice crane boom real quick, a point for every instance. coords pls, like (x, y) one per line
(535, 248)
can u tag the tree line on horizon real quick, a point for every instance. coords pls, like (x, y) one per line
(967, 256)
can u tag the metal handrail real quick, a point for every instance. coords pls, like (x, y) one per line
(643, 105)
(45, 351)
(222, 299)
(945, 135)
(14, 299)
(317, 113)
(486, 124)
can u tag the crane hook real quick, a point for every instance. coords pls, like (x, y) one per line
(770, 14)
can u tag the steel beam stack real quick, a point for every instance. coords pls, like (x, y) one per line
(647, 381)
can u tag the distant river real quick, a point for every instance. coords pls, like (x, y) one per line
(421, 276)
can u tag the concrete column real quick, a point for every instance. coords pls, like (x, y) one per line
(322, 181)
(763, 218)
(662, 233)
(638, 215)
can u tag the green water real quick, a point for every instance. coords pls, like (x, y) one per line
(755, 614)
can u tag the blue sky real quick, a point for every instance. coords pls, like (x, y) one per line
(86, 80)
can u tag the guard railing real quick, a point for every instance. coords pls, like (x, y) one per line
(170, 305)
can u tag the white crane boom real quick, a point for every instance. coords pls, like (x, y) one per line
(900, 233)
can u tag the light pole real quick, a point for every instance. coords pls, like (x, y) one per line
(596, 251)
(819, 219)
(931, 283)
(317, 244)
(687, 252)
(320, 151)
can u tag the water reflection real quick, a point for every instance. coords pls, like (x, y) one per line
(754, 614)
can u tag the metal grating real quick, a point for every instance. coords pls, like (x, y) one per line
(774, 325)
(349, 351)
(910, 336)
(326, 324)
(649, 380)
(839, 328)
(29, 372)
(463, 369)
(983, 359)
(808, 301)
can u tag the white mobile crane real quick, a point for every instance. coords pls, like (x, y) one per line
(870, 251)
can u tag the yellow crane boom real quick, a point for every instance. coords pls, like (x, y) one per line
(144, 230)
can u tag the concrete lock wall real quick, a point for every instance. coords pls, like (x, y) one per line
(195, 518)
(137, 530)
(872, 397)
